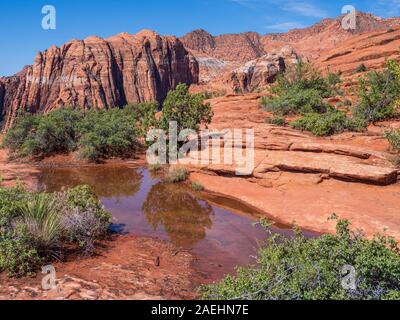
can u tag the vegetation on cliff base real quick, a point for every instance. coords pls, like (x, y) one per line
(96, 134)
(299, 268)
(394, 139)
(303, 91)
(36, 228)
(188, 110)
(101, 134)
(379, 94)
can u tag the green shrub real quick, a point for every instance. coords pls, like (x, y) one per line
(300, 268)
(347, 103)
(361, 68)
(17, 255)
(214, 94)
(301, 89)
(197, 186)
(379, 94)
(98, 134)
(35, 227)
(276, 120)
(83, 198)
(177, 174)
(325, 124)
(19, 138)
(155, 167)
(41, 135)
(107, 134)
(295, 101)
(394, 139)
(187, 109)
(333, 79)
(41, 220)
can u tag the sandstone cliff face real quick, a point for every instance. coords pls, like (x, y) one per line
(221, 54)
(240, 48)
(262, 71)
(99, 73)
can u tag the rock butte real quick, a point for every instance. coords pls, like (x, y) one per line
(99, 73)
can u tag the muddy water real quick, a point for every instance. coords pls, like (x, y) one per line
(219, 231)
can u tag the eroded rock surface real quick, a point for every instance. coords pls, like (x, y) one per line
(303, 178)
(128, 268)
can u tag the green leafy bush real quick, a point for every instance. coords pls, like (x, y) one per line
(188, 110)
(276, 120)
(17, 254)
(311, 269)
(329, 123)
(361, 68)
(300, 90)
(41, 135)
(295, 101)
(106, 134)
(97, 134)
(379, 94)
(394, 139)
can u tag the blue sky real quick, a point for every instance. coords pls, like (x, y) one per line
(21, 34)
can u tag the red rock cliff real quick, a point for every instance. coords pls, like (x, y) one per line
(98, 73)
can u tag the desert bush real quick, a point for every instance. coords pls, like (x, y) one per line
(295, 101)
(143, 116)
(394, 139)
(19, 138)
(155, 167)
(98, 134)
(197, 186)
(188, 110)
(106, 134)
(301, 89)
(276, 120)
(40, 135)
(329, 123)
(41, 220)
(18, 257)
(83, 198)
(361, 68)
(379, 94)
(333, 79)
(177, 174)
(214, 94)
(35, 227)
(301, 268)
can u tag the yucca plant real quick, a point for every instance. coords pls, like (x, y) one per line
(42, 222)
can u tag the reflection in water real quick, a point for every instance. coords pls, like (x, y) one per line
(106, 182)
(184, 217)
(219, 231)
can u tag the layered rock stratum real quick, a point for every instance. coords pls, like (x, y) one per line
(99, 73)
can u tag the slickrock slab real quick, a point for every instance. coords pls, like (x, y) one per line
(370, 208)
(331, 148)
(335, 166)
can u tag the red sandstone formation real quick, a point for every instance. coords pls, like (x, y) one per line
(261, 72)
(99, 73)
(222, 54)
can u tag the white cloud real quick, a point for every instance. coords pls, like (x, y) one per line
(304, 9)
(285, 26)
